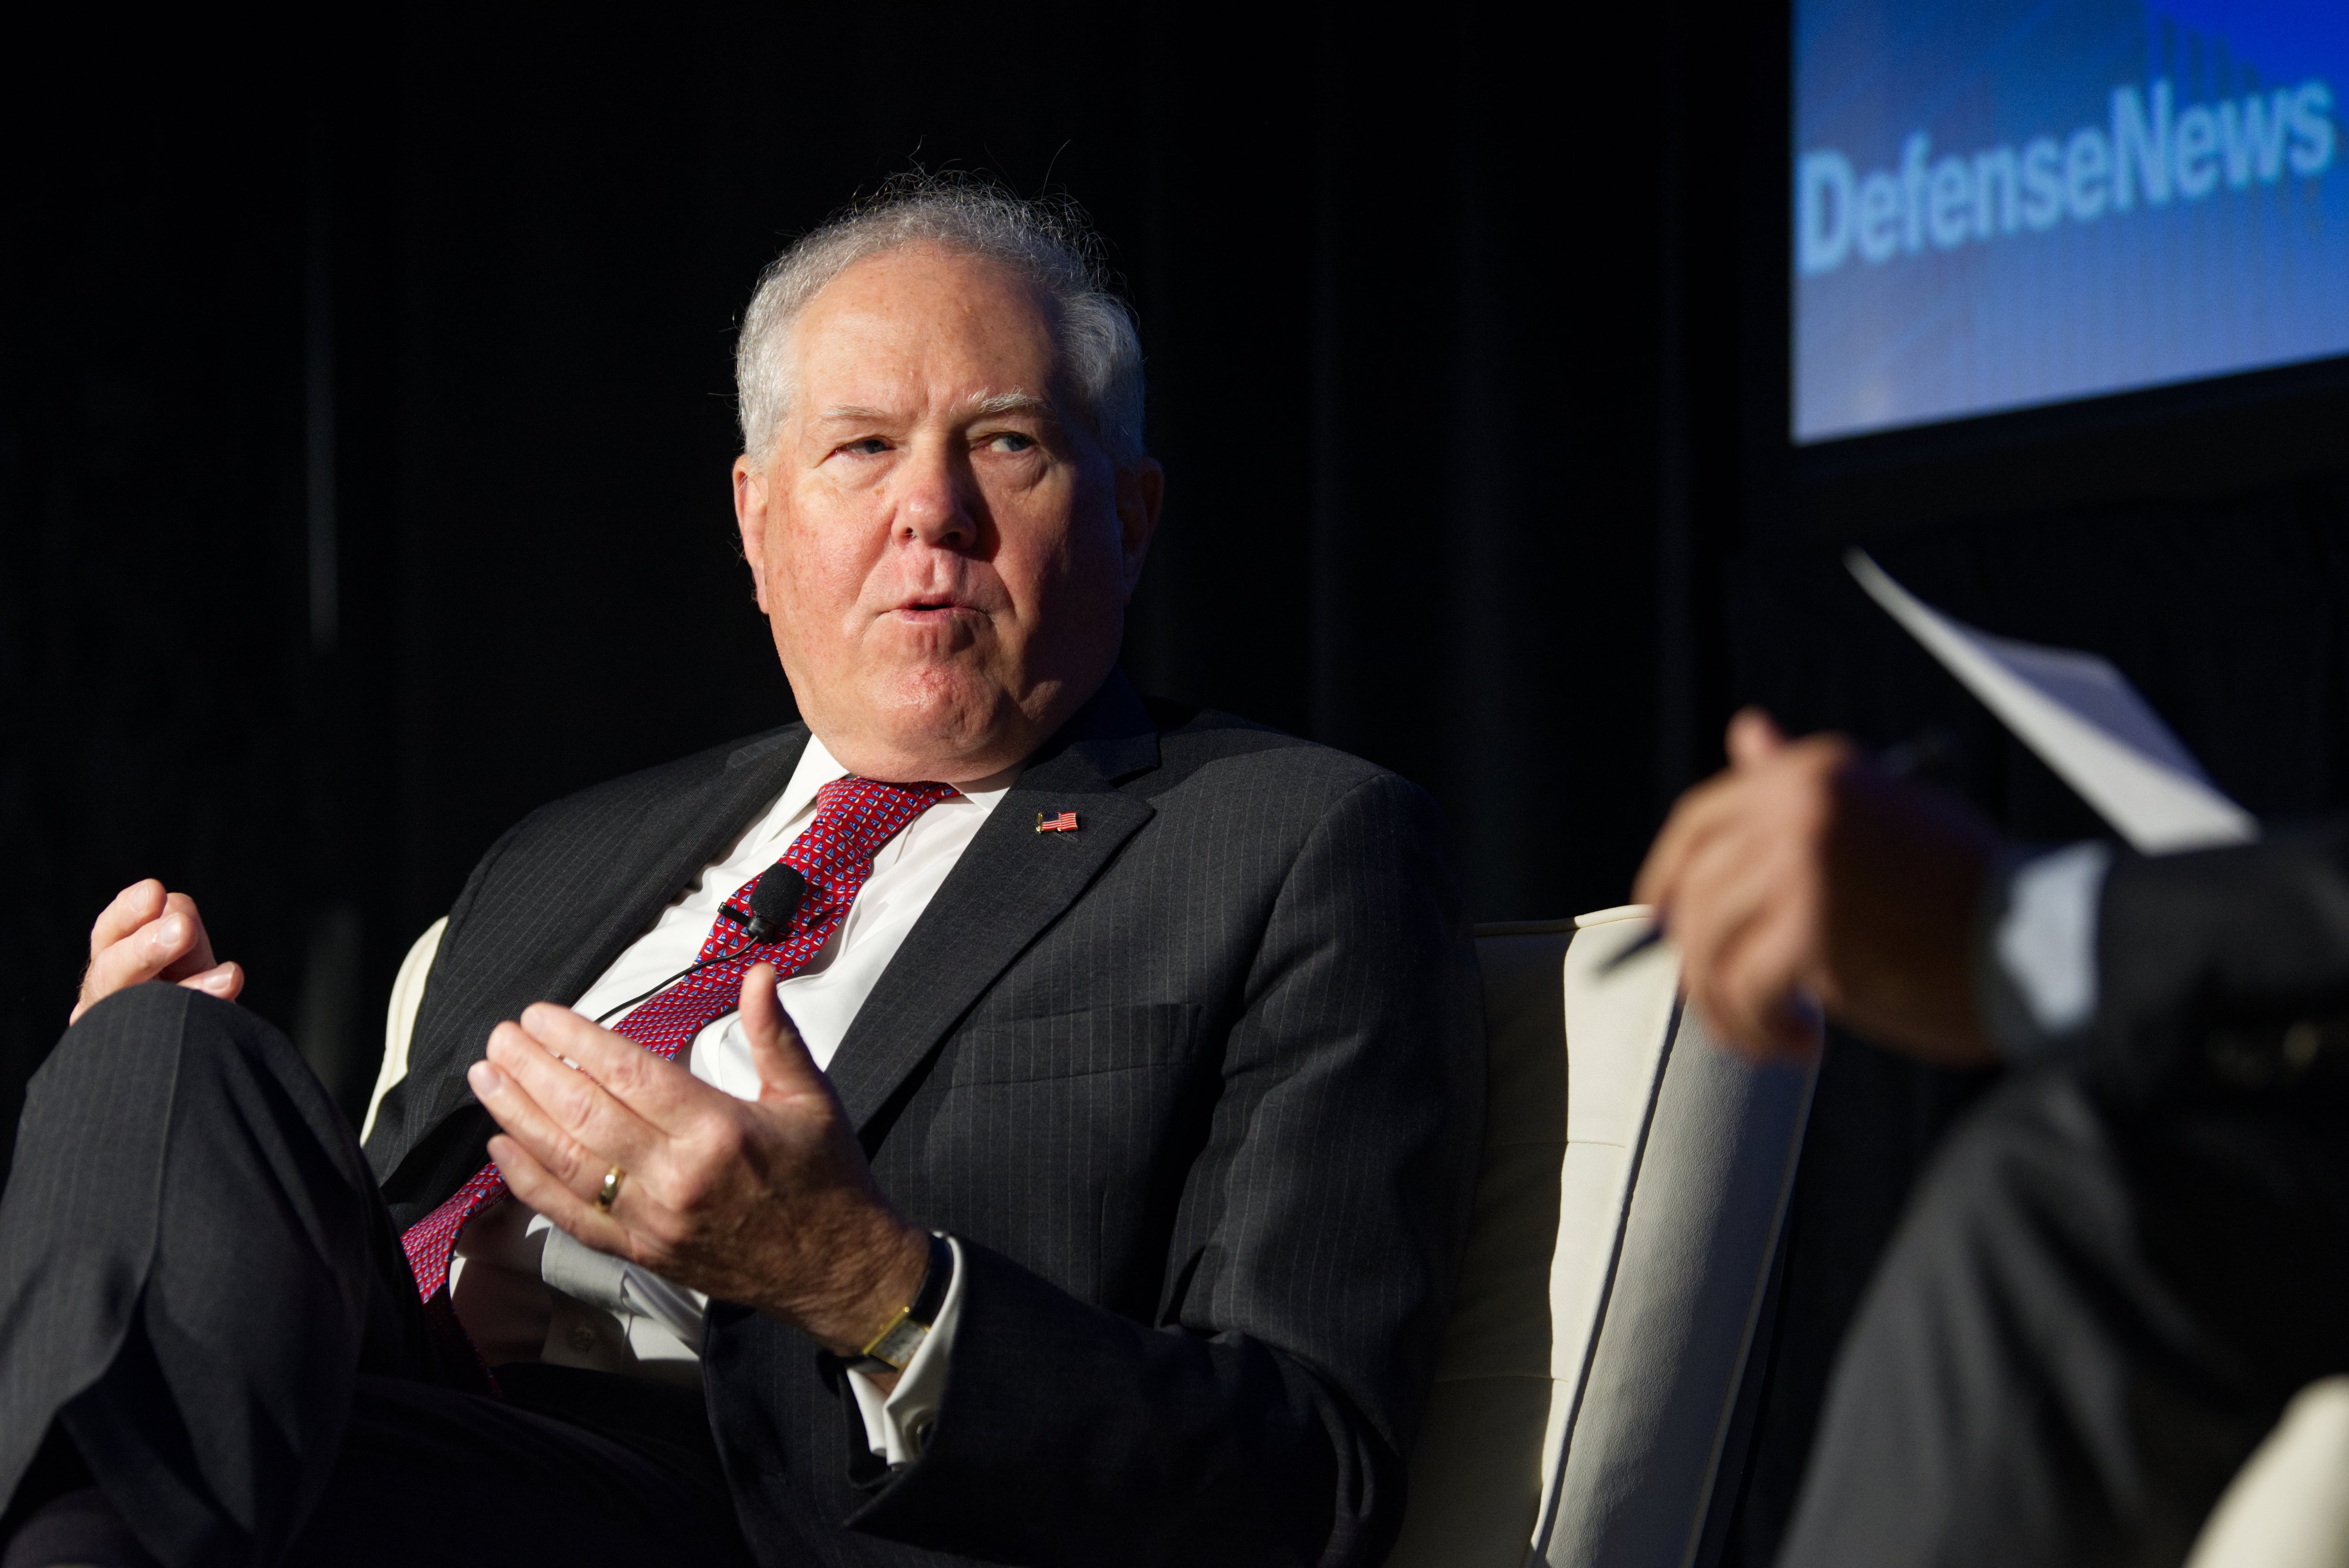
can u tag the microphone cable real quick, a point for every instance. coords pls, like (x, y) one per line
(775, 897)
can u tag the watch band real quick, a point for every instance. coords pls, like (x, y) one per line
(901, 1338)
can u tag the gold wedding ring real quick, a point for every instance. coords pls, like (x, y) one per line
(610, 1189)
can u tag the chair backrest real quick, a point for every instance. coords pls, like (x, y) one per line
(1633, 1186)
(399, 1019)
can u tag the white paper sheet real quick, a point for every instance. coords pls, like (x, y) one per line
(2084, 721)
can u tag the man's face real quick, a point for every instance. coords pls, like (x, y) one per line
(943, 549)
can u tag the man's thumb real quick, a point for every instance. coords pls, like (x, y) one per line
(777, 1053)
(1753, 737)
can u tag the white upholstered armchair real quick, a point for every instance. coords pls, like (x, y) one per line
(1634, 1183)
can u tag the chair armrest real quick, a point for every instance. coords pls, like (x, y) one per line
(2286, 1508)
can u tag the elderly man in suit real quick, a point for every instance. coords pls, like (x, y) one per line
(2135, 1250)
(998, 1116)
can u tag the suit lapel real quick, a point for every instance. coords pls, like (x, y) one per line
(552, 944)
(674, 843)
(1010, 884)
(692, 833)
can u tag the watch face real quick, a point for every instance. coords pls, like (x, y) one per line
(897, 1346)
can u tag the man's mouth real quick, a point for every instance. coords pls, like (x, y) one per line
(940, 607)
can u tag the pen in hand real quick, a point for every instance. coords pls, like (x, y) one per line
(1922, 755)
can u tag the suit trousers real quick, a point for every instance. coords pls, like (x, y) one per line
(205, 1307)
(2093, 1311)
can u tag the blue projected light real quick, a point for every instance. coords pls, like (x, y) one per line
(2000, 204)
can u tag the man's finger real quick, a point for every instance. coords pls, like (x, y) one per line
(1748, 924)
(1729, 798)
(1753, 739)
(225, 981)
(785, 1069)
(1759, 984)
(1703, 810)
(199, 955)
(133, 907)
(574, 1127)
(663, 1094)
(542, 1192)
(142, 956)
(1747, 993)
(1729, 883)
(531, 1126)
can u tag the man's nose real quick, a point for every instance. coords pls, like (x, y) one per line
(936, 504)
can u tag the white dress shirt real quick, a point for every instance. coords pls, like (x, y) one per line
(615, 1317)
(2047, 941)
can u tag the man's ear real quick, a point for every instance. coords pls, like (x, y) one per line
(751, 497)
(1141, 491)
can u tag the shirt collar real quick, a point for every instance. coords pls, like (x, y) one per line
(817, 768)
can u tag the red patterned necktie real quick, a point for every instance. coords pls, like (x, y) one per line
(854, 818)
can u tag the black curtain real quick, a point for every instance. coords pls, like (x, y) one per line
(365, 418)
(367, 428)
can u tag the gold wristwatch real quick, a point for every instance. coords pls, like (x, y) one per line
(893, 1347)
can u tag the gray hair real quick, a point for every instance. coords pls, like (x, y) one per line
(1050, 244)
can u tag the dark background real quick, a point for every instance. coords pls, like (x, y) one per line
(364, 416)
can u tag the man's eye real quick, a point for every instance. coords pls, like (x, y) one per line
(869, 447)
(1011, 442)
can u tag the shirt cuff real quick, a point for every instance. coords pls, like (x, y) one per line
(897, 1424)
(2043, 944)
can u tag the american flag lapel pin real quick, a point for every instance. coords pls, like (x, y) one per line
(1066, 822)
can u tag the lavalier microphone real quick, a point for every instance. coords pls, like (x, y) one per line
(775, 897)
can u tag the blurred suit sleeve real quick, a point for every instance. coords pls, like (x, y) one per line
(2136, 969)
(2133, 1250)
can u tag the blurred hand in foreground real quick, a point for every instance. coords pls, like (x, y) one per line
(151, 933)
(1804, 876)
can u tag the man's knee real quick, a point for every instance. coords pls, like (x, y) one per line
(122, 1042)
(159, 1089)
(144, 1009)
(155, 1042)
(140, 1016)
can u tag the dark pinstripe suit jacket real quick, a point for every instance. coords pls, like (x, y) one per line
(1199, 1086)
